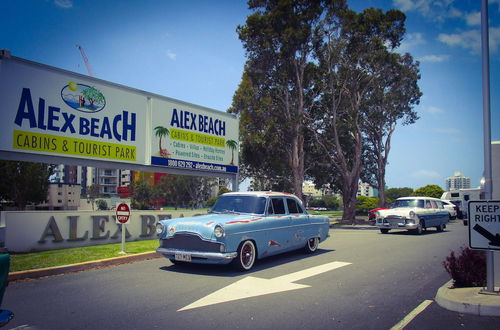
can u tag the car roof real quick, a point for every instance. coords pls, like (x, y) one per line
(259, 193)
(418, 197)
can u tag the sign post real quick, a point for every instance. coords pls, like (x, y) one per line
(484, 225)
(484, 231)
(123, 217)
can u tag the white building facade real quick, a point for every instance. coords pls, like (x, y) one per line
(458, 181)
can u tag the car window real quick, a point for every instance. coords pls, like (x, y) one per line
(440, 205)
(293, 206)
(428, 204)
(270, 209)
(240, 204)
(434, 204)
(278, 205)
(408, 203)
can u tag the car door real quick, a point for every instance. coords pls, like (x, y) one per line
(435, 215)
(300, 228)
(278, 230)
(443, 214)
(427, 213)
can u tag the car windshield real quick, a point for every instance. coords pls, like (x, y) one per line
(408, 203)
(240, 204)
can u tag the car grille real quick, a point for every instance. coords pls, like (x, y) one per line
(189, 243)
(395, 220)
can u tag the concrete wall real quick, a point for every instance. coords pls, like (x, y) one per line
(27, 231)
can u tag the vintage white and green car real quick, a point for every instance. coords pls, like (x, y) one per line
(243, 227)
(414, 214)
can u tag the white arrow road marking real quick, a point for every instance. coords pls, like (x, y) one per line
(252, 286)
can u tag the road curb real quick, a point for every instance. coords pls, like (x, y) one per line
(51, 271)
(353, 227)
(468, 300)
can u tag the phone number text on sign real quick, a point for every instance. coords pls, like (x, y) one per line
(200, 166)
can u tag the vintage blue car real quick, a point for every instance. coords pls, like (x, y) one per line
(242, 227)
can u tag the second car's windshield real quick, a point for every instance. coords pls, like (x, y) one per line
(240, 204)
(408, 203)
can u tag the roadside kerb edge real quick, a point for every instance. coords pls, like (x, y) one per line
(468, 300)
(51, 271)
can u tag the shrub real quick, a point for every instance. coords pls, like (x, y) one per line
(101, 204)
(468, 269)
(211, 202)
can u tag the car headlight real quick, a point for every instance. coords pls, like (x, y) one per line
(219, 231)
(413, 218)
(160, 228)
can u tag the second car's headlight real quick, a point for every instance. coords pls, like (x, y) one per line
(160, 228)
(219, 231)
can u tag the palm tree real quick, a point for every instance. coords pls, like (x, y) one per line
(232, 145)
(161, 132)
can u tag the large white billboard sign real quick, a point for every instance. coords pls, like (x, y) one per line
(49, 111)
(190, 137)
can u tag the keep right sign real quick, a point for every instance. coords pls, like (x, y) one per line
(484, 225)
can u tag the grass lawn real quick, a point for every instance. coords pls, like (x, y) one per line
(44, 259)
(20, 262)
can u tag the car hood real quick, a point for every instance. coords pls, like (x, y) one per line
(204, 225)
(400, 211)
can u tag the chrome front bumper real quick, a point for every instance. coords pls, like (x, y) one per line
(170, 253)
(396, 223)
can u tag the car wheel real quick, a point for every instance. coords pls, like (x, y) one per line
(440, 227)
(312, 244)
(246, 256)
(418, 230)
(384, 231)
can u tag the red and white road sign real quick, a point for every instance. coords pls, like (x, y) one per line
(122, 213)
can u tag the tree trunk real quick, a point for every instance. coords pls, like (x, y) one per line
(349, 201)
(381, 184)
(297, 164)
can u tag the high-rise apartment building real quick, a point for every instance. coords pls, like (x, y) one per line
(108, 179)
(458, 181)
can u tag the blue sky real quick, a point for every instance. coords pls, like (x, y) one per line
(189, 50)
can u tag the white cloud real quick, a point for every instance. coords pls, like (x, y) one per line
(470, 40)
(494, 38)
(473, 19)
(434, 110)
(434, 58)
(64, 3)
(411, 41)
(404, 5)
(171, 55)
(425, 174)
(435, 10)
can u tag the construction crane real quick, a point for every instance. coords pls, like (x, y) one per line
(85, 60)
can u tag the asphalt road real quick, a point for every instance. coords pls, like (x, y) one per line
(375, 282)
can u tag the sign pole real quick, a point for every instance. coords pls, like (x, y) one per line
(124, 229)
(490, 269)
(122, 218)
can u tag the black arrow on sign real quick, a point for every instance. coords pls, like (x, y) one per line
(494, 239)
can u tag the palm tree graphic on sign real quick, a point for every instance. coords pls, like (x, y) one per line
(232, 145)
(162, 132)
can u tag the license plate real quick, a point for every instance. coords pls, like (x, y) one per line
(183, 257)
